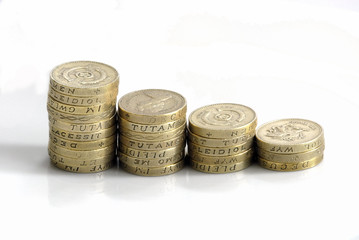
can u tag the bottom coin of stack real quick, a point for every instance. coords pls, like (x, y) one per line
(221, 137)
(290, 145)
(152, 144)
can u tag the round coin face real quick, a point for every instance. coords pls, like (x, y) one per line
(222, 120)
(152, 102)
(300, 134)
(84, 74)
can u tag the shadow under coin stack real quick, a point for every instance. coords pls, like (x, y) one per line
(152, 132)
(290, 144)
(82, 112)
(221, 138)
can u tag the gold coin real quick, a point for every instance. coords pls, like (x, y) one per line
(81, 136)
(154, 136)
(151, 145)
(219, 142)
(83, 169)
(75, 145)
(291, 158)
(83, 155)
(234, 167)
(145, 154)
(152, 106)
(153, 171)
(80, 162)
(83, 127)
(65, 117)
(151, 162)
(84, 78)
(226, 120)
(290, 166)
(289, 136)
(215, 152)
(223, 160)
(159, 128)
(108, 97)
(80, 110)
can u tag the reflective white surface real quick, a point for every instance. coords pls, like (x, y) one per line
(281, 58)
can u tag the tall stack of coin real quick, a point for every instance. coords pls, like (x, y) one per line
(221, 138)
(152, 132)
(290, 144)
(82, 112)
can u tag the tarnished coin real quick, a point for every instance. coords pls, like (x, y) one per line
(234, 167)
(84, 78)
(80, 110)
(223, 160)
(152, 106)
(151, 162)
(289, 136)
(83, 169)
(66, 117)
(220, 142)
(150, 128)
(145, 154)
(55, 157)
(108, 97)
(83, 127)
(153, 145)
(215, 152)
(154, 136)
(83, 146)
(83, 155)
(291, 158)
(83, 136)
(226, 120)
(289, 166)
(153, 171)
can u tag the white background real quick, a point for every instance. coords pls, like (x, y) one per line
(282, 58)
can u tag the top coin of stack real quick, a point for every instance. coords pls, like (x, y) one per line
(221, 138)
(82, 112)
(152, 132)
(290, 144)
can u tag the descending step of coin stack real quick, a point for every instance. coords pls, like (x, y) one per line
(220, 138)
(152, 132)
(82, 112)
(290, 144)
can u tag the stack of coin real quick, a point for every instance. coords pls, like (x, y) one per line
(220, 138)
(152, 132)
(82, 112)
(290, 144)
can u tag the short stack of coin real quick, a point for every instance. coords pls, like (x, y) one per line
(82, 112)
(220, 138)
(152, 132)
(290, 144)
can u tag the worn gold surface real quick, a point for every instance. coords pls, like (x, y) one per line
(153, 171)
(83, 169)
(83, 155)
(289, 166)
(233, 167)
(152, 106)
(291, 158)
(225, 151)
(84, 78)
(150, 128)
(83, 127)
(222, 160)
(226, 120)
(145, 154)
(89, 145)
(149, 162)
(81, 136)
(220, 142)
(289, 136)
(153, 145)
